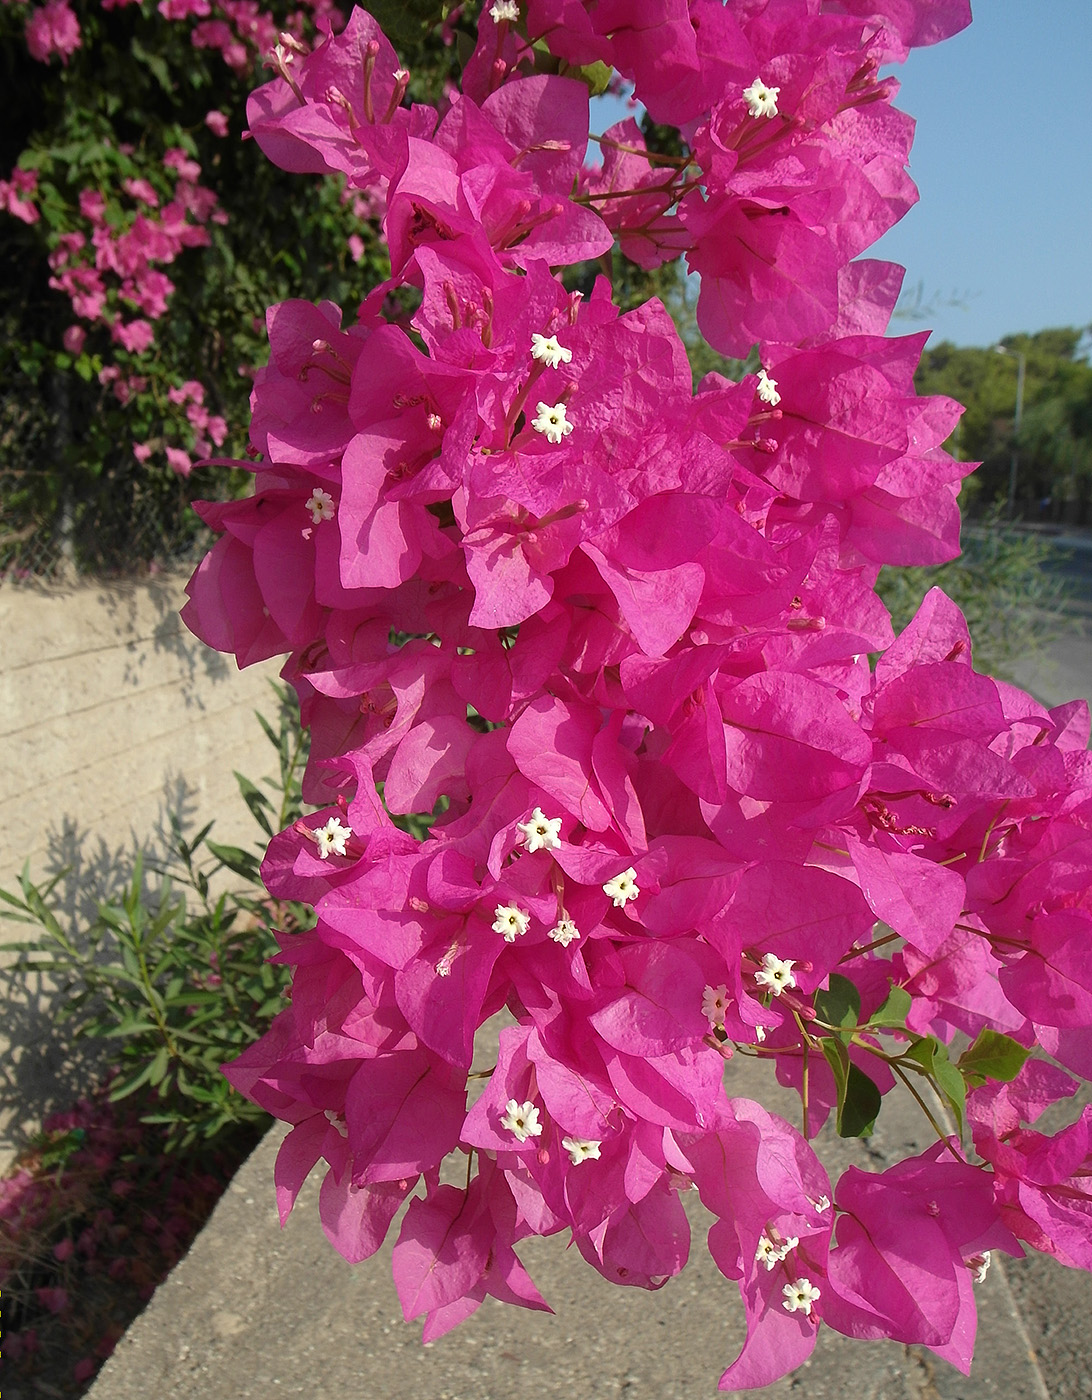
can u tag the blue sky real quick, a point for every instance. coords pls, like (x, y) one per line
(1003, 161)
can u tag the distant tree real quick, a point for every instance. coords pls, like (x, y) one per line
(1055, 440)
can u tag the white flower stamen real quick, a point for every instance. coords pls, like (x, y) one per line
(540, 832)
(581, 1149)
(622, 888)
(331, 837)
(443, 967)
(821, 1204)
(521, 1119)
(776, 973)
(714, 1003)
(979, 1264)
(336, 1121)
(321, 505)
(552, 421)
(770, 1254)
(761, 100)
(547, 349)
(510, 922)
(564, 932)
(799, 1296)
(504, 9)
(767, 389)
(760, 1034)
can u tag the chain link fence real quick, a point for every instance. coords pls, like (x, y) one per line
(58, 523)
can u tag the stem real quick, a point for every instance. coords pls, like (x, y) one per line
(868, 947)
(653, 157)
(941, 1134)
(804, 1091)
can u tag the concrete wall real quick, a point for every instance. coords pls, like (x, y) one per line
(111, 715)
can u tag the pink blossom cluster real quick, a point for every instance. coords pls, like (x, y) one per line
(110, 268)
(240, 30)
(51, 29)
(610, 637)
(114, 1210)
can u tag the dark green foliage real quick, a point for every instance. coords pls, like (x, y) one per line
(1054, 446)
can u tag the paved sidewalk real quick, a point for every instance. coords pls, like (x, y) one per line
(253, 1311)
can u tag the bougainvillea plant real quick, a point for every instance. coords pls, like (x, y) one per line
(610, 637)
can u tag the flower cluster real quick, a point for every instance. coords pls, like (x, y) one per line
(118, 196)
(610, 637)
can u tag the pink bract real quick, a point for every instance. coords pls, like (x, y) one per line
(604, 640)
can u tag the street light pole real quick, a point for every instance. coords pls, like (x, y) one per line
(1021, 367)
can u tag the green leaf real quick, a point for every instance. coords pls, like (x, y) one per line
(894, 1011)
(952, 1086)
(155, 64)
(923, 1052)
(257, 801)
(242, 862)
(858, 1097)
(992, 1056)
(597, 76)
(839, 1004)
(932, 1056)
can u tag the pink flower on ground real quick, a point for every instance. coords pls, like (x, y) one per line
(53, 29)
(73, 339)
(217, 122)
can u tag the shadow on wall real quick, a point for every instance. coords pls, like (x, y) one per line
(129, 605)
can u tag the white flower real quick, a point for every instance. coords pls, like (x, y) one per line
(822, 1204)
(799, 1296)
(331, 837)
(540, 832)
(321, 505)
(545, 347)
(714, 1002)
(551, 420)
(771, 1254)
(564, 932)
(767, 389)
(510, 922)
(761, 100)
(504, 9)
(776, 973)
(521, 1119)
(336, 1122)
(580, 1149)
(760, 1034)
(979, 1264)
(443, 967)
(622, 888)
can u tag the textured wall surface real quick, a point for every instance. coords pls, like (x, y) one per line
(111, 715)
